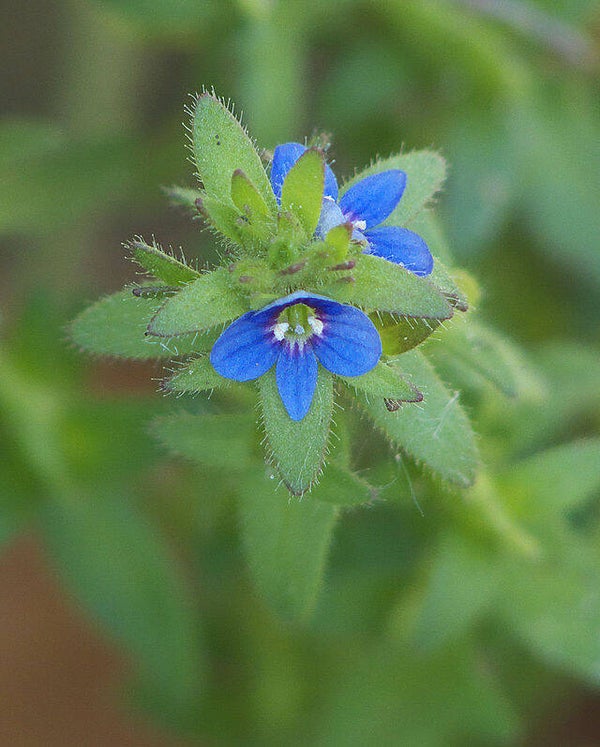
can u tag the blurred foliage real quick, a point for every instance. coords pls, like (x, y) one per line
(465, 622)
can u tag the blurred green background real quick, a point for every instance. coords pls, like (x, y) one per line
(474, 622)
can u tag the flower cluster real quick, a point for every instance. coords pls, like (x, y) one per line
(301, 329)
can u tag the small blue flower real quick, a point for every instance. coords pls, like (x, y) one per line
(365, 205)
(295, 332)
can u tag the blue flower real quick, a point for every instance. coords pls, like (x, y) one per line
(295, 332)
(365, 205)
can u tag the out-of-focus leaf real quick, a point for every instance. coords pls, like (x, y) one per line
(476, 353)
(461, 584)
(383, 286)
(122, 571)
(207, 302)
(436, 431)
(297, 448)
(430, 700)
(562, 139)
(554, 480)
(117, 324)
(286, 542)
(216, 441)
(483, 179)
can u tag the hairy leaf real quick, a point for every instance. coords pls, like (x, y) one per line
(297, 448)
(384, 286)
(221, 146)
(384, 382)
(197, 376)
(116, 325)
(207, 302)
(160, 264)
(436, 431)
(302, 190)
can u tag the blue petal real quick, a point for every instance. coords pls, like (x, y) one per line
(331, 185)
(296, 375)
(349, 344)
(401, 246)
(375, 197)
(331, 216)
(284, 157)
(310, 299)
(245, 350)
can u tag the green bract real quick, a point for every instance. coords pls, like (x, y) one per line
(276, 247)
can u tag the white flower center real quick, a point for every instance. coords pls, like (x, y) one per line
(280, 329)
(316, 325)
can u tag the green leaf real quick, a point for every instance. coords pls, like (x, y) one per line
(207, 302)
(380, 285)
(436, 432)
(221, 146)
(302, 190)
(116, 325)
(297, 448)
(198, 376)
(286, 543)
(555, 480)
(384, 382)
(399, 334)
(216, 441)
(161, 265)
(425, 171)
(121, 569)
(461, 585)
(246, 197)
(341, 487)
(222, 216)
(554, 606)
(478, 353)
(184, 197)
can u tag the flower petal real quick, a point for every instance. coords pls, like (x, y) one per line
(296, 375)
(349, 344)
(284, 157)
(331, 216)
(401, 246)
(374, 198)
(245, 350)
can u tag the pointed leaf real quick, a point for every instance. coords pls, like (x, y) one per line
(384, 382)
(425, 171)
(198, 376)
(116, 325)
(161, 265)
(207, 302)
(383, 286)
(297, 447)
(302, 191)
(221, 146)
(183, 197)
(286, 543)
(436, 431)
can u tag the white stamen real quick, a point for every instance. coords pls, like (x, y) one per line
(360, 224)
(280, 329)
(316, 325)
(299, 329)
